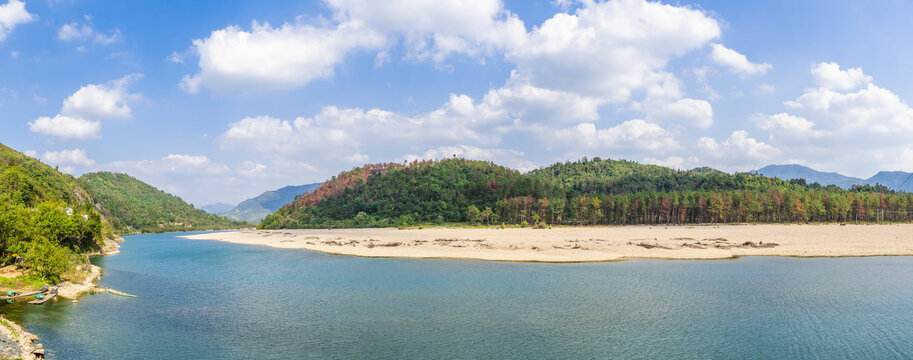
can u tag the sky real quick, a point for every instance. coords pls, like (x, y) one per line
(218, 101)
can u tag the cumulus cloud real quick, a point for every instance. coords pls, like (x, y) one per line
(845, 123)
(171, 164)
(634, 134)
(67, 157)
(788, 126)
(738, 152)
(610, 49)
(868, 110)
(66, 127)
(12, 14)
(692, 112)
(436, 29)
(510, 158)
(829, 76)
(82, 32)
(736, 62)
(82, 112)
(268, 58)
(101, 101)
(292, 55)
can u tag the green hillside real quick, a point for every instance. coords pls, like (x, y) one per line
(594, 191)
(46, 219)
(134, 206)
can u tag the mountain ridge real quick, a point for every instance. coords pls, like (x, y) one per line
(890, 179)
(256, 208)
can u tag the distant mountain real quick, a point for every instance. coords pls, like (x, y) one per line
(788, 172)
(891, 179)
(217, 208)
(255, 209)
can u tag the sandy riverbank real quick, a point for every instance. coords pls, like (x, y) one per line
(579, 244)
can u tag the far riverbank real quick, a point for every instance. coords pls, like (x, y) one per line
(592, 244)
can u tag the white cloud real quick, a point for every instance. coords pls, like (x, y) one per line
(358, 158)
(81, 32)
(829, 76)
(766, 89)
(692, 112)
(101, 101)
(82, 112)
(630, 135)
(736, 62)
(788, 126)
(436, 29)
(510, 158)
(738, 152)
(182, 164)
(846, 123)
(67, 157)
(249, 168)
(610, 49)
(675, 162)
(66, 127)
(267, 58)
(870, 110)
(175, 57)
(13, 13)
(74, 31)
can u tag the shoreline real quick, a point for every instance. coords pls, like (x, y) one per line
(591, 244)
(26, 342)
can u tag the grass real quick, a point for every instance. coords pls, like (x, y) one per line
(24, 282)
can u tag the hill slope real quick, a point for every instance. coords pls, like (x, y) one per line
(255, 209)
(134, 206)
(46, 219)
(583, 192)
(393, 194)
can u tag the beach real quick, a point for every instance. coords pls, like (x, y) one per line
(591, 244)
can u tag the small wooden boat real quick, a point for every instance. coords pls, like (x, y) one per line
(45, 298)
(31, 293)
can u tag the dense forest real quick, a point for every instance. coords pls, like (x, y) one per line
(46, 220)
(593, 191)
(133, 206)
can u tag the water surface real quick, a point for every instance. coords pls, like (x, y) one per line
(211, 300)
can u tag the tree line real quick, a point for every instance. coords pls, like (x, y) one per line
(597, 191)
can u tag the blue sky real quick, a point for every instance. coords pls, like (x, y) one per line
(221, 100)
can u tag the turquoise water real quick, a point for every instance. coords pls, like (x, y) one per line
(211, 300)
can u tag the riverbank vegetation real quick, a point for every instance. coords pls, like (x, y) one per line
(583, 192)
(50, 221)
(46, 220)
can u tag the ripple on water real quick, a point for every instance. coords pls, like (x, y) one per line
(211, 300)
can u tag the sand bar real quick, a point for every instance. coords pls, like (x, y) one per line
(583, 244)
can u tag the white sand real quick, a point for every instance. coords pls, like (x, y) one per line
(578, 244)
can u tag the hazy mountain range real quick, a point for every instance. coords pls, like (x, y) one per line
(255, 209)
(217, 208)
(891, 179)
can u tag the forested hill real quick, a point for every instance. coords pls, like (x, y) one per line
(46, 219)
(593, 191)
(134, 206)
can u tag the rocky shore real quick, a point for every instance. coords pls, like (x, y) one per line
(16, 343)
